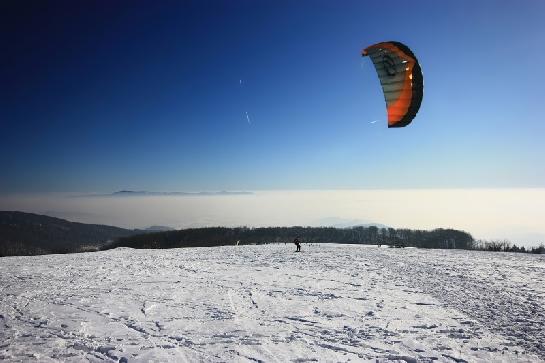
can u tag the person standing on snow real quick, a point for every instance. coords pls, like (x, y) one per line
(298, 244)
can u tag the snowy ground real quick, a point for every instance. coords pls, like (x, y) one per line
(266, 303)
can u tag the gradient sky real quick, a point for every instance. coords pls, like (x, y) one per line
(101, 96)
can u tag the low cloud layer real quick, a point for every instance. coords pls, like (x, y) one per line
(514, 214)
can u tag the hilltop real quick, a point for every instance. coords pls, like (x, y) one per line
(33, 234)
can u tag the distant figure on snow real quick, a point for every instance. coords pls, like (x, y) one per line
(298, 244)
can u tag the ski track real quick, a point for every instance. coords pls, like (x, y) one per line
(267, 304)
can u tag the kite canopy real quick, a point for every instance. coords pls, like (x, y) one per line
(401, 79)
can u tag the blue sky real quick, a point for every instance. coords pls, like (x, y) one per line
(103, 96)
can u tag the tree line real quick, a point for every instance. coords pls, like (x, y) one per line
(217, 236)
(31, 234)
(506, 246)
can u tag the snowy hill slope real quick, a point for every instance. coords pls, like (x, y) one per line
(266, 303)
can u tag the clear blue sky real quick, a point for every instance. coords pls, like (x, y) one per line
(102, 96)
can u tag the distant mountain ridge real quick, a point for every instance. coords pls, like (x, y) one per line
(337, 222)
(32, 234)
(158, 229)
(144, 193)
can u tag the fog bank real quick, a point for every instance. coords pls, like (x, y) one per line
(514, 214)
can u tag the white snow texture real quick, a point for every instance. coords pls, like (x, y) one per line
(329, 303)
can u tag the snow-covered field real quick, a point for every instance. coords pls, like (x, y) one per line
(266, 303)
